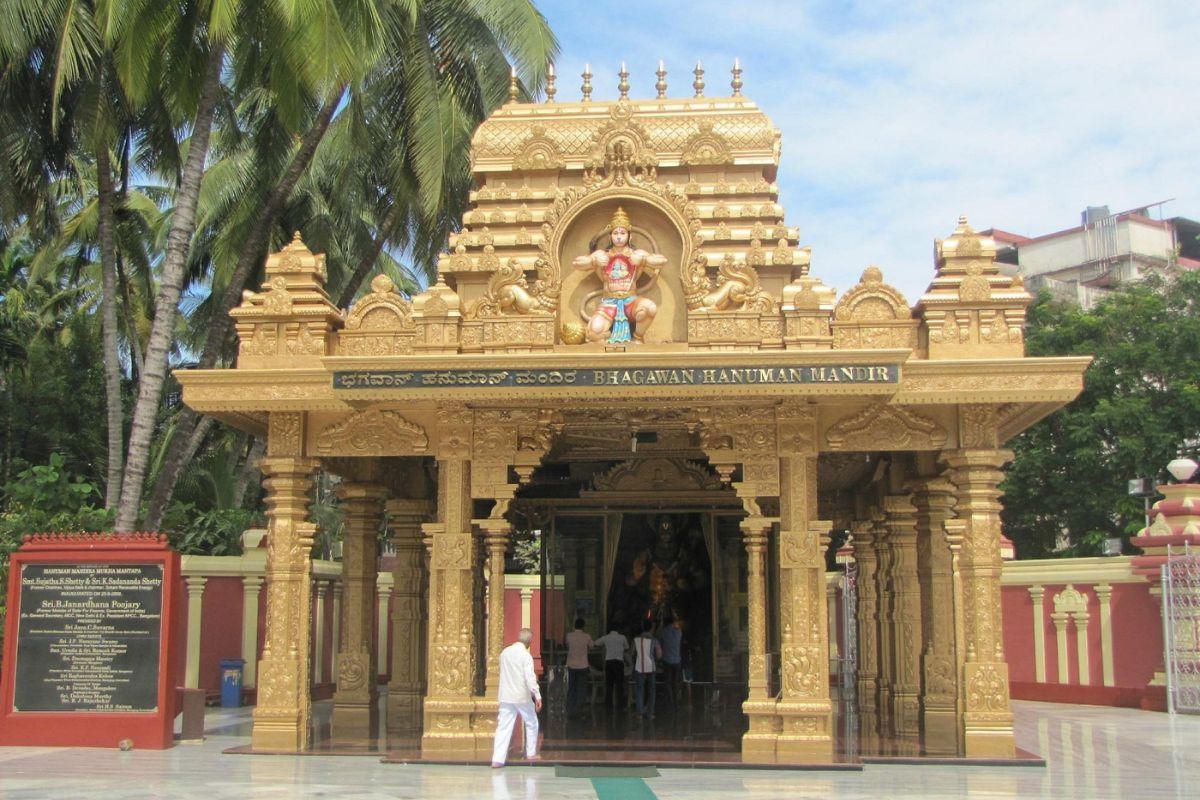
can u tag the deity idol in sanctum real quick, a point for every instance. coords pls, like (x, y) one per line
(622, 314)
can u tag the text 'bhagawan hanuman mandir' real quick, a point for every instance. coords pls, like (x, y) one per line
(625, 354)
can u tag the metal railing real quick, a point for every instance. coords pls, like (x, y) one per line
(1181, 629)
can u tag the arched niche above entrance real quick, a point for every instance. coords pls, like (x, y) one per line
(658, 227)
(656, 480)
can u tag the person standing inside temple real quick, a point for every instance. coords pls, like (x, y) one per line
(578, 643)
(646, 653)
(671, 638)
(519, 695)
(614, 645)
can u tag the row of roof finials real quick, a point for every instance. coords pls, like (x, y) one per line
(660, 86)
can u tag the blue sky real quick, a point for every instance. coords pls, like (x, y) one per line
(896, 118)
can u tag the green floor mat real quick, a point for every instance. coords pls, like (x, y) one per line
(622, 789)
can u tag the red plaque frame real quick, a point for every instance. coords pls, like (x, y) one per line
(147, 729)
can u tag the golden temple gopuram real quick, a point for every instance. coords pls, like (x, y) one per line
(625, 331)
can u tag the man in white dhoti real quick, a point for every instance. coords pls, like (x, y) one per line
(519, 694)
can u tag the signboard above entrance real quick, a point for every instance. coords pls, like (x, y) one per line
(619, 376)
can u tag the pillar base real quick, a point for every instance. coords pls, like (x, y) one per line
(806, 733)
(448, 734)
(941, 731)
(356, 719)
(404, 712)
(483, 725)
(906, 715)
(758, 743)
(279, 732)
(988, 738)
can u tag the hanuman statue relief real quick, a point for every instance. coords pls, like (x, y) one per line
(622, 314)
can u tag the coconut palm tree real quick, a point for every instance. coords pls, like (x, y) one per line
(441, 68)
(299, 61)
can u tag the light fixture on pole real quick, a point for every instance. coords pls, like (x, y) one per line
(1182, 469)
(1143, 488)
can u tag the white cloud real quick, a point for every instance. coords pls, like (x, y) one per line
(896, 119)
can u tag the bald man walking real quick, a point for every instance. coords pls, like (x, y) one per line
(519, 695)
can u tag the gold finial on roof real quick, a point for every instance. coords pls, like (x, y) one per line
(698, 84)
(512, 85)
(623, 83)
(619, 220)
(551, 80)
(736, 83)
(661, 85)
(587, 83)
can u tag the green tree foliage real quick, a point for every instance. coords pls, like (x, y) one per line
(152, 153)
(48, 498)
(1140, 407)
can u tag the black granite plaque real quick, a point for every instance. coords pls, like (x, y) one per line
(88, 637)
(618, 376)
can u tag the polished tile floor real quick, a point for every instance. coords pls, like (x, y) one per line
(1091, 752)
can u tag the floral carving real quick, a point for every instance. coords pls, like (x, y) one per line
(373, 432)
(803, 671)
(352, 671)
(283, 434)
(987, 687)
(706, 147)
(886, 427)
(656, 474)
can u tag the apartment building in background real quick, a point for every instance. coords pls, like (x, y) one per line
(1083, 263)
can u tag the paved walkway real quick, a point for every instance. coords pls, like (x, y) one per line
(1092, 752)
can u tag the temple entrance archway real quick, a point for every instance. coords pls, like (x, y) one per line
(618, 541)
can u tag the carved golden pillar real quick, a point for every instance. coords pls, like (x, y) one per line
(987, 715)
(884, 624)
(934, 500)
(754, 433)
(355, 706)
(283, 712)
(806, 727)
(409, 586)
(758, 743)
(449, 703)
(866, 621)
(906, 617)
(496, 534)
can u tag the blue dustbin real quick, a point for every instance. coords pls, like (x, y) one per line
(231, 682)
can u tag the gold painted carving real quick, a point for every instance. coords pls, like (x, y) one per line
(538, 152)
(987, 687)
(803, 670)
(621, 179)
(873, 315)
(509, 292)
(379, 324)
(288, 322)
(285, 434)
(621, 148)
(970, 309)
(374, 432)
(885, 427)
(656, 474)
(978, 425)
(737, 287)
(706, 147)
